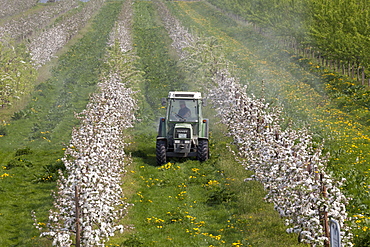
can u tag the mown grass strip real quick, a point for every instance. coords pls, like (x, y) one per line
(34, 141)
(158, 60)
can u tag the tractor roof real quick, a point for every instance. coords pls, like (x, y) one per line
(184, 95)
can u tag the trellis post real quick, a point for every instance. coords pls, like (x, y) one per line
(78, 227)
(324, 215)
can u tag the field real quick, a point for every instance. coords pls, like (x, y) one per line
(184, 202)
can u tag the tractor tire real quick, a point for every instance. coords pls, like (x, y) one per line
(161, 152)
(202, 150)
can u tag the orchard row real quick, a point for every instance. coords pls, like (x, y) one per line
(89, 202)
(286, 161)
(39, 38)
(9, 7)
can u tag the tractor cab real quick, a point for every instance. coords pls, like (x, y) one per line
(184, 131)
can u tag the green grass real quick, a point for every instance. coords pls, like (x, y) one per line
(44, 128)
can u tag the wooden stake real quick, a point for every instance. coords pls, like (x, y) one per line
(78, 229)
(363, 75)
(325, 214)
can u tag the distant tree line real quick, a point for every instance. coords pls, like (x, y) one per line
(338, 29)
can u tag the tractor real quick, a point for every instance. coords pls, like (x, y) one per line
(183, 132)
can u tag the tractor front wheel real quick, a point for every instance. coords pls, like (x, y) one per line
(161, 152)
(202, 150)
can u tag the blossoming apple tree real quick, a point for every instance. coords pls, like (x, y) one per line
(89, 200)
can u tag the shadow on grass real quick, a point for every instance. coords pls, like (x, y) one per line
(145, 155)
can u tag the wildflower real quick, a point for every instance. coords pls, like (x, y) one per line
(237, 243)
(4, 175)
(213, 182)
(195, 170)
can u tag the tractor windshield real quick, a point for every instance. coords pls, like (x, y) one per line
(184, 110)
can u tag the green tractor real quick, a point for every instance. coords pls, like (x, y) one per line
(183, 132)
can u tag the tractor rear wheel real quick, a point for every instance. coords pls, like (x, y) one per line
(202, 150)
(161, 152)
